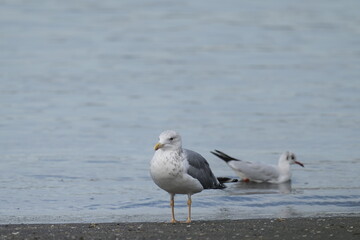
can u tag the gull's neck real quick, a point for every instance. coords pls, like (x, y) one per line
(284, 171)
(171, 151)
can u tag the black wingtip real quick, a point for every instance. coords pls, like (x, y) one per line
(227, 180)
(223, 156)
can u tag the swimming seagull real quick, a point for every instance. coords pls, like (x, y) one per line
(180, 171)
(259, 172)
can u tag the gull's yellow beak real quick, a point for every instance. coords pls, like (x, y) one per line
(157, 146)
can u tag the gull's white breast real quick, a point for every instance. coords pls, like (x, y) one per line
(168, 169)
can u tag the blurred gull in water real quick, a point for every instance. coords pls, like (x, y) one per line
(259, 172)
(180, 171)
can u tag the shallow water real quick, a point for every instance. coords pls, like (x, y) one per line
(87, 87)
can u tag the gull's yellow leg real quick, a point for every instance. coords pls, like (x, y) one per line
(189, 209)
(172, 205)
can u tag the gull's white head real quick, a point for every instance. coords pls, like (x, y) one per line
(169, 140)
(290, 158)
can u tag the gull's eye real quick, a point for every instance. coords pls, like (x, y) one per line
(171, 138)
(292, 157)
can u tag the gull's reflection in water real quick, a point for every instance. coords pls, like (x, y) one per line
(248, 188)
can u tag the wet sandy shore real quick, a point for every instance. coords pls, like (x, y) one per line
(293, 228)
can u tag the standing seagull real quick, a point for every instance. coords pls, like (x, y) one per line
(180, 171)
(259, 172)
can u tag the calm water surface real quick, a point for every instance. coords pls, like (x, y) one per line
(86, 87)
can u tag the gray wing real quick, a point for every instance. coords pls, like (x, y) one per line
(255, 171)
(199, 168)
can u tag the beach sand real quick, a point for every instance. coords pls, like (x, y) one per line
(290, 228)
